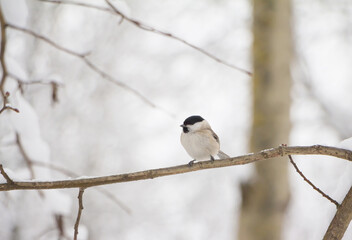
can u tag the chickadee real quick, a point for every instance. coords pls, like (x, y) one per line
(199, 140)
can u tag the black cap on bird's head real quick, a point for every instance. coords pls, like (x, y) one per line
(190, 121)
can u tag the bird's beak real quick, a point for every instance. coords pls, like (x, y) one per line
(182, 125)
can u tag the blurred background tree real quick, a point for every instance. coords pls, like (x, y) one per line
(265, 196)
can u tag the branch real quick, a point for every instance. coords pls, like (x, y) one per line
(80, 208)
(5, 95)
(4, 174)
(5, 105)
(341, 220)
(154, 173)
(25, 156)
(69, 173)
(143, 26)
(311, 184)
(90, 64)
(2, 56)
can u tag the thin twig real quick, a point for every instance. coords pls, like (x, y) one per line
(54, 84)
(3, 173)
(154, 173)
(5, 95)
(146, 27)
(311, 184)
(80, 208)
(5, 104)
(27, 160)
(90, 64)
(2, 55)
(25, 156)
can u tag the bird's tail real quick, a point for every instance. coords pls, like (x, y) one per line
(222, 155)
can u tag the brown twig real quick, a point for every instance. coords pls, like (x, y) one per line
(28, 161)
(5, 95)
(4, 174)
(80, 208)
(90, 64)
(54, 84)
(146, 27)
(5, 104)
(2, 55)
(311, 184)
(25, 156)
(154, 173)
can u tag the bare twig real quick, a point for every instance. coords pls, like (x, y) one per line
(4, 174)
(311, 184)
(141, 25)
(5, 95)
(80, 208)
(154, 173)
(90, 64)
(54, 84)
(2, 55)
(28, 161)
(5, 104)
(341, 220)
(25, 156)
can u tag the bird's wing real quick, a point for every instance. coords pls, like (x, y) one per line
(215, 136)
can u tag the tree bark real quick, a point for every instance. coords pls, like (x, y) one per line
(266, 195)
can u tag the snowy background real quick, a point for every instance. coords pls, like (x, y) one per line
(98, 128)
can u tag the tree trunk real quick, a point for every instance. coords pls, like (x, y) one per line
(265, 196)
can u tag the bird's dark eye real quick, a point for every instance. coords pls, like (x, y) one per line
(185, 129)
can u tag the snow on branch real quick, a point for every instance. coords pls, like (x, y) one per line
(154, 173)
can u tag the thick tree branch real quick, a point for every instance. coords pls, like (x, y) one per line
(154, 173)
(341, 220)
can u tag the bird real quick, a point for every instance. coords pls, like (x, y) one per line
(199, 140)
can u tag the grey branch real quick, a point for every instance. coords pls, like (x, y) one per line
(341, 220)
(154, 173)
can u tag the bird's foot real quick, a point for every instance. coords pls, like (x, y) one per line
(212, 159)
(191, 163)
